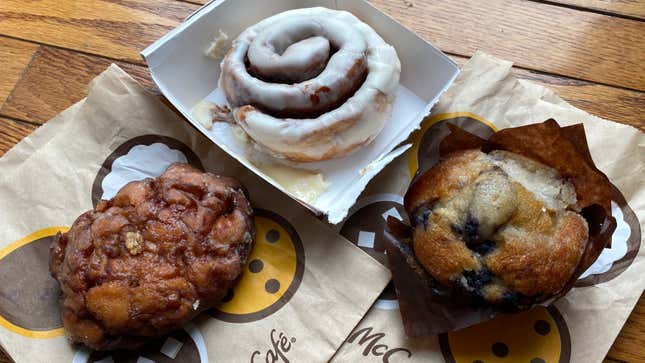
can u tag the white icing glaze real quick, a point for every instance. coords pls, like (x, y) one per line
(239, 134)
(303, 184)
(289, 35)
(206, 112)
(203, 113)
(218, 47)
(242, 88)
(299, 62)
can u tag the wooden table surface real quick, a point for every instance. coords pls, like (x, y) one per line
(591, 52)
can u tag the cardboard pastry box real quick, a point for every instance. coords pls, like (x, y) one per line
(186, 76)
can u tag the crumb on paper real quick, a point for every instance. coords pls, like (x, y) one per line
(134, 242)
(218, 47)
(206, 113)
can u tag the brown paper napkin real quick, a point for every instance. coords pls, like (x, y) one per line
(581, 326)
(308, 294)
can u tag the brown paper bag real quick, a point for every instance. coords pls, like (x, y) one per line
(298, 301)
(581, 326)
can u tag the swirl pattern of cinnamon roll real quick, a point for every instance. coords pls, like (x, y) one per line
(310, 84)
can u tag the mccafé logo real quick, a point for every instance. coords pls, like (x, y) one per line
(372, 346)
(280, 346)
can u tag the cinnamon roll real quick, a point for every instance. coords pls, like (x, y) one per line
(310, 84)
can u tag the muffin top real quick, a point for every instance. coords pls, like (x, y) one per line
(499, 227)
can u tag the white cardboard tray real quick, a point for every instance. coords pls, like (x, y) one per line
(186, 76)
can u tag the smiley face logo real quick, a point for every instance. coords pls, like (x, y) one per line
(29, 306)
(146, 156)
(365, 227)
(539, 335)
(33, 309)
(272, 275)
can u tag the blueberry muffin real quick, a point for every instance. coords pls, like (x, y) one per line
(148, 260)
(498, 227)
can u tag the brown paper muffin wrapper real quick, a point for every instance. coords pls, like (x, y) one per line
(429, 308)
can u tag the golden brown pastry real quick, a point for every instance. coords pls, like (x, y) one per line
(145, 262)
(498, 226)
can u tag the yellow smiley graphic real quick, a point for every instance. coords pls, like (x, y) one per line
(32, 307)
(272, 274)
(425, 142)
(539, 335)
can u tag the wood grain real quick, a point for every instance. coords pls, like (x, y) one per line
(629, 347)
(536, 36)
(589, 48)
(633, 8)
(615, 104)
(56, 79)
(14, 57)
(11, 132)
(118, 29)
(611, 103)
